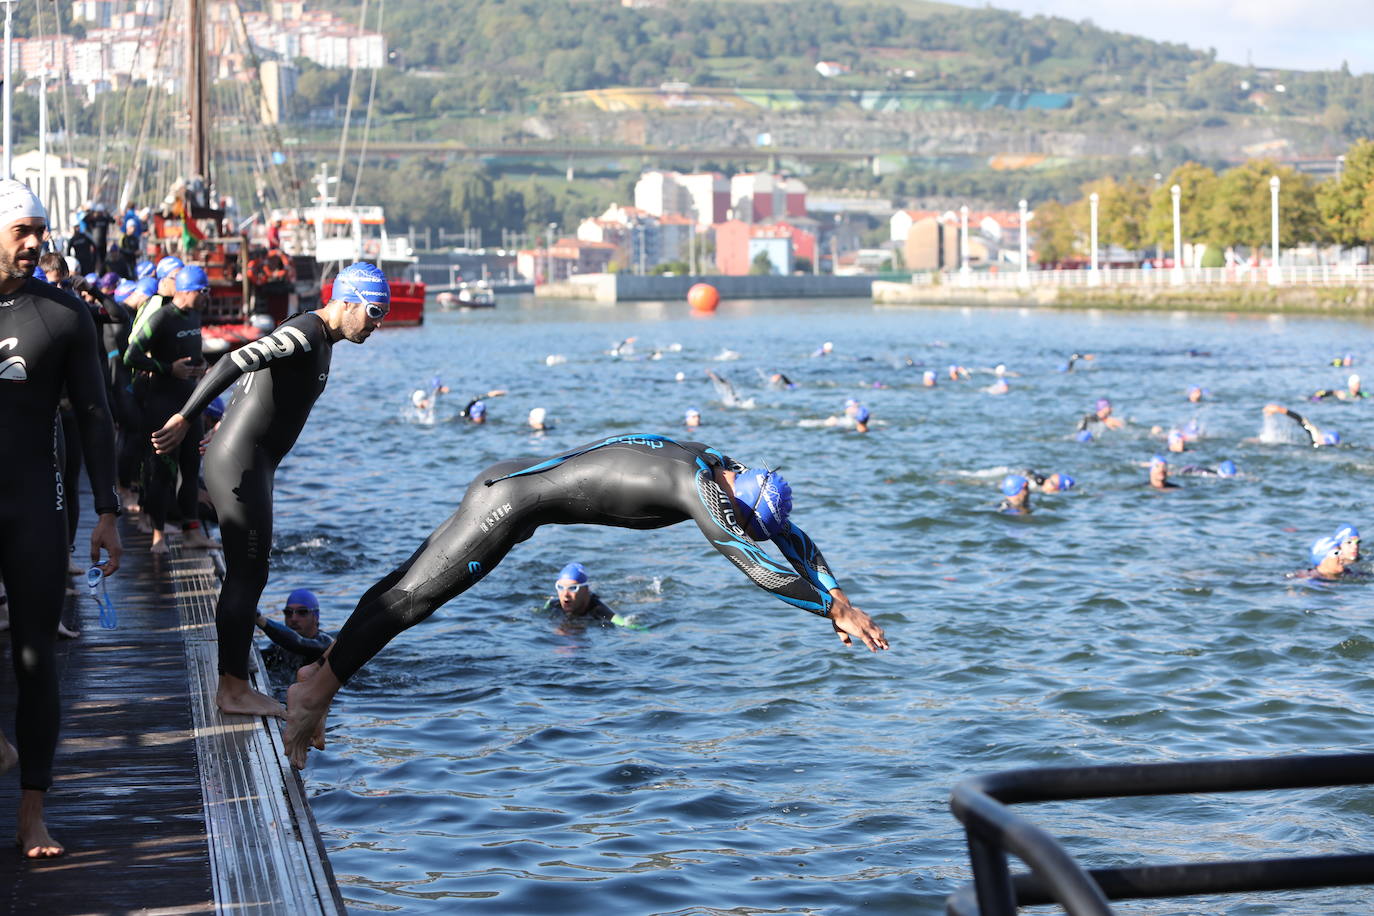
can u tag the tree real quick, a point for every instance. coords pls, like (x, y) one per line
(1198, 187)
(1057, 233)
(1347, 201)
(1241, 212)
(762, 265)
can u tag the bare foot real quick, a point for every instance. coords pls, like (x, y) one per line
(34, 840)
(8, 755)
(195, 538)
(305, 716)
(66, 633)
(235, 696)
(159, 544)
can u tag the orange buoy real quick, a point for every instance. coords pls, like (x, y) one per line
(703, 297)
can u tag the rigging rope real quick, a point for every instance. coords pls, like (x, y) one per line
(367, 122)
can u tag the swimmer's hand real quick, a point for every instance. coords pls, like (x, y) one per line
(105, 536)
(1271, 409)
(496, 392)
(849, 622)
(171, 434)
(184, 368)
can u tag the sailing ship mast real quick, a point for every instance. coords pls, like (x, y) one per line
(197, 94)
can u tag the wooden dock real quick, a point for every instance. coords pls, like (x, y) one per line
(165, 805)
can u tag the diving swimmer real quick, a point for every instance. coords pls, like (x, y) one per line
(285, 373)
(1315, 435)
(633, 481)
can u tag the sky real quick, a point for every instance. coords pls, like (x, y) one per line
(1286, 34)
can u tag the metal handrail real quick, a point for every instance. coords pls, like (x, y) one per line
(994, 831)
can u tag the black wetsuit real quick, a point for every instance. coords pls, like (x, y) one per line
(596, 611)
(161, 336)
(47, 341)
(641, 482)
(260, 425)
(290, 651)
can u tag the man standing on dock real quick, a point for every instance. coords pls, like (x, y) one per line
(262, 422)
(47, 344)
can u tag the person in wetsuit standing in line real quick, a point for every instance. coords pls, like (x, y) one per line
(636, 481)
(167, 346)
(260, 426)
(47, 343)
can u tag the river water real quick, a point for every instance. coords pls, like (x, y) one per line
(730, 756)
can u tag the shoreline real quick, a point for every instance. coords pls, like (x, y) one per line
(1307, 300)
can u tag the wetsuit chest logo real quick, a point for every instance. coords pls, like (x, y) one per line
(282, 342)
(494, 516)
(15, 368)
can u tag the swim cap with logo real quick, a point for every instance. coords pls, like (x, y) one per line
(1013, 484)
(168, 266)
(1066, 482)
(574, 572)
(192, 279)
(1227, 468)
(1159, 459)
(1331, 438)
(1347, 533)
(123, 289)
(362, 282)
(861, 415)
(146, 269)
(1323, 548)
(764, 501)
(147, 285)
(478, 410)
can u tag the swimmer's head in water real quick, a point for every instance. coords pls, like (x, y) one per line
(1353, 383)
(303, 598)
(1175, 441)
(1323, 548)
(928, 378)
(1195, 393)
(1013, 484)
(1084, 436)
(861, 414)
(574, 572)
(764, 501)
(692, 417)
(1347, 532)
(478, 412)
(1059, 483)
(1159, 460)
(1227, 468)
(1331, 438)
(538, 417)
(1102, 405)
(417, 398)
(1349, 539)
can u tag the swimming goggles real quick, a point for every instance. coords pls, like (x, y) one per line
(95, 583)
(574, 588)
(374, 311)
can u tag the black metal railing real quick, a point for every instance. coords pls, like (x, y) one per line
(994, 831)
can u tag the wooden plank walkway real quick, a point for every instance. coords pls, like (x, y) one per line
(164, 805)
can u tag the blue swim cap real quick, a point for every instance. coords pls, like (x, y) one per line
(1346, 533)
(1013, 484)
(850, 402)
(1063, 367)
(478, 410)
(574, 571)
(1323, 548)
(362, 282)
(146, 269)
(1227, 468)
(123, 289)
(92, 278)
(862, 415)
(1066, 482)
(691, 411)
(1084, 436)
(40, 274)
(214, 411)
(303, 597)
(192, 279)
(1159, 459)
(168, 266)
(146, 285)
(764, 500)
(1331, 438)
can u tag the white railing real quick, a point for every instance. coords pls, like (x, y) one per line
(1317, 275)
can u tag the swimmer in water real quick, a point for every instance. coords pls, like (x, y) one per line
(998, 387)
(633, 481)
(780, 382)
(1351, 391)
(1159, 474)
(928, 378)
(692, 419)
(1195, 394)
(958, 373)
(1343, 362)
(824, 349)
(1054, 483)
(1016, 489)
(1073, 358)
(476, 409)
(624, 348)
(1226, 468)
(861, 418)
(539, 420)
(575, 598)
(1327, 563)
(1315, 435)
(1101, 415)
(1174, 442)
(726, 391)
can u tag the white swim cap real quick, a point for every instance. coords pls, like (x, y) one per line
(537, 415)
(18, 202)
(417, 397)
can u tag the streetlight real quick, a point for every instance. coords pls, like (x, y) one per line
(1340, 166)
(9, 81)
(1275, 274)
(548, 252)
(1094, 279)
(963, 241)
(1025, 260)
(1176, 277)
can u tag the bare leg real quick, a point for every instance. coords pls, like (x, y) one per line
(308, 702)
(235, 696)
(198, 539)
(159, 541)
(34, 840)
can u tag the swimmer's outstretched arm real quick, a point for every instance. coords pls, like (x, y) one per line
(847, 620)
(1313, 433)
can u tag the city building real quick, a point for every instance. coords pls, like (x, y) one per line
(738, 243)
